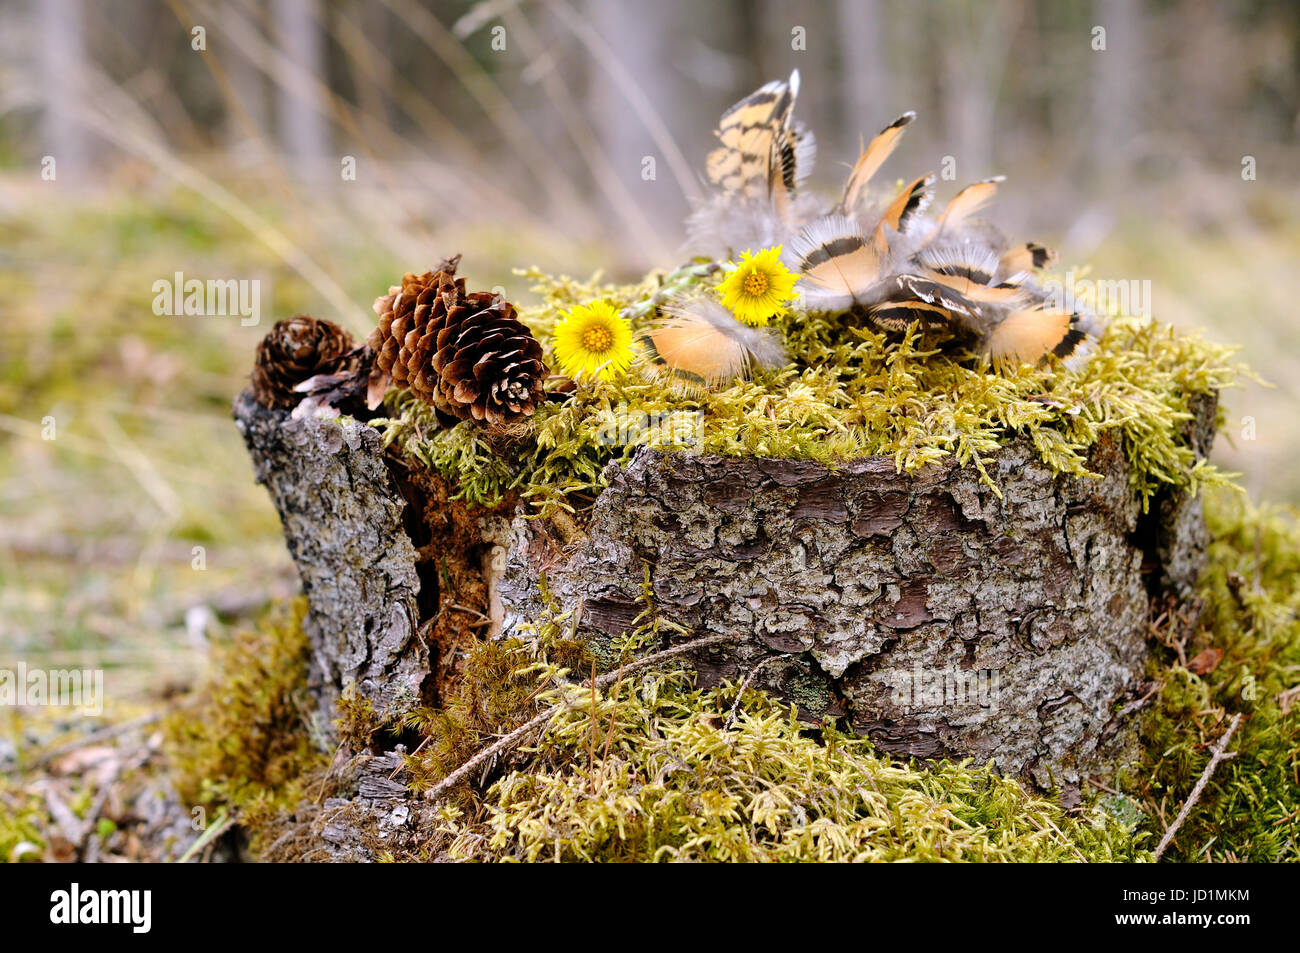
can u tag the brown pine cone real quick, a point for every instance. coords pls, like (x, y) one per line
(294, 351)
(466, 354)
(408, 307)
(488, 365)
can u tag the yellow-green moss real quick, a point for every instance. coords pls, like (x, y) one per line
(654, 769)
(673, 780)
(848, 392)
(23, 822)
(247, 744)
(1251, 808)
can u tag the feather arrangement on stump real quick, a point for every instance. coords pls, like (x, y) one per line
(885, 264)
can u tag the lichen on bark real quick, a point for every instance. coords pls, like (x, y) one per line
(937, 618)
(342, 519)
(934, 615)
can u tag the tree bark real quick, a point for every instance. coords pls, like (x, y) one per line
(927, 612)
(342, 519)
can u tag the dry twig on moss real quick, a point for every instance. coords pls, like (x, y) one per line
(1200, 786)
(540, 720)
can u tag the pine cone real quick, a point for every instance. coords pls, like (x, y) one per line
(488, 365)
(408, 307)
(295, 351)
(466, 354)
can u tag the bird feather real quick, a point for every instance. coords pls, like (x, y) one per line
(701, 344)
(839, 265)
(870, 159)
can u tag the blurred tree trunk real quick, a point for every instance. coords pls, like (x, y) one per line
(373, 22)
(972, 74)
(248, 117)
(301, 121)
(62, 50)
(866, 92)
(1117, 86)
(640, 35)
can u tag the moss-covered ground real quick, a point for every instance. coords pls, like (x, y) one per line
(650, 768)
(99, 527)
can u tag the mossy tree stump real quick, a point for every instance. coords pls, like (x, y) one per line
(925, 611)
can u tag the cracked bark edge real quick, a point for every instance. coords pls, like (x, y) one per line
(342, 519)
(942, 621)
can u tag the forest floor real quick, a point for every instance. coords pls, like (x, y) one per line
(136, 537)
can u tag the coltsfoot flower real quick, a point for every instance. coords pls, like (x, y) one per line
(594, 340)
(759, 287)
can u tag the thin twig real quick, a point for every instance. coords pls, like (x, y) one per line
(460, 608)
(1066, 840)
(613, 716)
(591, 733)
(568, 529)
(510, 740)
(103, 734)
(744, 686)
(402, 762)
(1200, 786)
(218, 827)
(1105, 787)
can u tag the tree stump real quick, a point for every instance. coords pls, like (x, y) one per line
(927, 612)
(342, 521)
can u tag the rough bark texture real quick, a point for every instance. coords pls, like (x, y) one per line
(342, 519)
(935, 617)
(944, 622)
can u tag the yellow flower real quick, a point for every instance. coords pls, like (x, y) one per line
(759, 287)
(593, 340)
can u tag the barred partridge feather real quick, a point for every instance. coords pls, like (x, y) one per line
(893, 266)
(882, 260)
(757, 171)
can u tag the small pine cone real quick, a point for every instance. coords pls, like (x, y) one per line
(487, 366)
(409, 307)
(466, 354)
(294, 351)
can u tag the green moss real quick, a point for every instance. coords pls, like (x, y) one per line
(247, 744)
(1250, 810)
(495, 694)
(672, 780)
(848, 393)
(652, 768)
(23, 823)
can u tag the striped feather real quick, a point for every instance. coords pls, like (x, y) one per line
(969, 269)
(796, 150)
(905, 299)
(839, 265)
(1027, 257)
(702, 345)
(965, 204)
(912, 201)
(870, 159)
(955, 274)
(1031, 335)
(756, 139)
